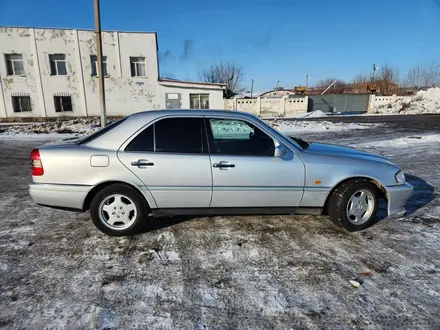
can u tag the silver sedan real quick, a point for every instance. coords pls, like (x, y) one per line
(174, 162)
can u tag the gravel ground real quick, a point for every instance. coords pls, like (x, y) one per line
(257, 272)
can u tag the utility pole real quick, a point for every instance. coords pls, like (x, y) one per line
(373, 75)
(100, 66)
(252, 87)
(307, 80)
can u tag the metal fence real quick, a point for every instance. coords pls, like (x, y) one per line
(335, 103)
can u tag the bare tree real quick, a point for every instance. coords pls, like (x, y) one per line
(337, 88)
(387, 79)
(225, 73)
(360, 83)
(413, 78)
(430, 75)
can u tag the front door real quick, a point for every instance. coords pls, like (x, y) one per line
(244, 170)
(173, 100)
(170, 156)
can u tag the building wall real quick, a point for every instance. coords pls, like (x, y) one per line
(124, 94)
(18, 41)
(215, 95)
(48, 42)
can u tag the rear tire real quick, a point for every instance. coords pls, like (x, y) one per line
(353, 205)
(118, 210)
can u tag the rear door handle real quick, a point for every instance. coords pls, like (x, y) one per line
(142, 162)
(223, 164)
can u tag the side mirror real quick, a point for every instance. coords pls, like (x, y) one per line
(280, 151)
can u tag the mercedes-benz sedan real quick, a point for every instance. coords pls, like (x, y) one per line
(173, 162)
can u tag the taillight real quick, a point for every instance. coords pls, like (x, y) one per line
(37, 165)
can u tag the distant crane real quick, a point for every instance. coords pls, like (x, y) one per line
(329, 87)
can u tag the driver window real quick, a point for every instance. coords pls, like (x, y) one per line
(237, 137)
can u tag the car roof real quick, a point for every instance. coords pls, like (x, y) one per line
(186, 112)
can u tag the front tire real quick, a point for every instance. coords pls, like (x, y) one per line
(353, 205)
(118, 210)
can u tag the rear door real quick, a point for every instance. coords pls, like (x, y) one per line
(170, 156)
(245, 171)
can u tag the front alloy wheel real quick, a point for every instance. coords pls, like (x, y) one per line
(353, 205)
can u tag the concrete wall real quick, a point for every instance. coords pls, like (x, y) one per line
(249, 105)
(277, 107)
(124, 94)
(229, 104)
(377, 101)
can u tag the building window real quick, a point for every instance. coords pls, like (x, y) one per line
(199, 101)
(58, 65)
(21, 103)
(63, 103)
(138, 67)
(14, 64)
(94, 61)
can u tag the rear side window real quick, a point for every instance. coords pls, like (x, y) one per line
(143, 142)
(171, 135)
(179, 135)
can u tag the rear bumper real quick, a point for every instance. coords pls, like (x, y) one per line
(70, 197)
(397, 197)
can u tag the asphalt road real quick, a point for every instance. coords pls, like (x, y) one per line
(258, 272)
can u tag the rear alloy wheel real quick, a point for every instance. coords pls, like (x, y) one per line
(353, 205)
(118, 210)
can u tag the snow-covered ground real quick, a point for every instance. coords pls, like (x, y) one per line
(238, 272)
(424, 102)
(292, 126)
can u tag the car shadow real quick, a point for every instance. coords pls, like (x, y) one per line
(422, 195)
(157, 223)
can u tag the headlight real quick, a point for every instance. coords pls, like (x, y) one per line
(400, 177)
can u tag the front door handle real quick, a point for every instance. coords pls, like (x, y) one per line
(223, 164)
(142, 162)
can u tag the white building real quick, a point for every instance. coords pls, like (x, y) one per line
(53, 72)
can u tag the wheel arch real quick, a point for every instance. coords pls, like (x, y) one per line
(382, 193)
(101, 185)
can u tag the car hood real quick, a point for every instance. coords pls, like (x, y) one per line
(336, 150)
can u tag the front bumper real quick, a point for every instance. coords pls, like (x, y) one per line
(59, 195)
(397, 197)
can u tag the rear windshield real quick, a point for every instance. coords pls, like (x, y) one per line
(102, 131)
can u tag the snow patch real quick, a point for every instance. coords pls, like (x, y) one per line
(402, 142)
(424, 102)
(293, 126)
(314, 114)
(51, 130)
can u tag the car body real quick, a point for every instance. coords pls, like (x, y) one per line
(207, 162)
